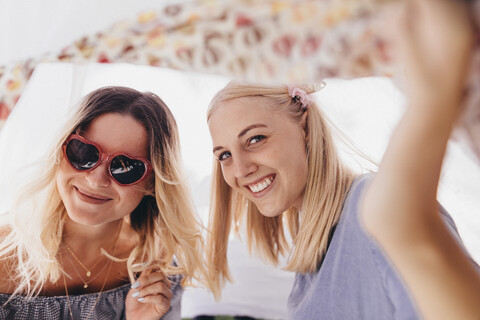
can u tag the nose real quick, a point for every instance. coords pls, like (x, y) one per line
(243, 165)
(99, 176)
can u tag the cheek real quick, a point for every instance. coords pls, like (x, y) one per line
(302, 166)
(228, 176)
(303, 177)
(297, 168)
(131, 197)
(65, 169)
(63, 190)
(61, 185)
(63, 175)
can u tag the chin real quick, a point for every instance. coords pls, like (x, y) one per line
(85, 218)
(83, 221)
(270, 212)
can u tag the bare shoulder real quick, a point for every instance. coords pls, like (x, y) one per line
(7, 283)
(7, 264)
(5, 229)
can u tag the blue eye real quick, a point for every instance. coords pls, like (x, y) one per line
(224, 156)
(256, 139)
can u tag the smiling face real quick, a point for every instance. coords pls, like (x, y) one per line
(262, 153)
(93, 197)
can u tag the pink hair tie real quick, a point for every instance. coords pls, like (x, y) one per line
(299, 95)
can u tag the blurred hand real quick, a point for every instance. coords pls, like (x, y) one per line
(149, 297)
(434, 40)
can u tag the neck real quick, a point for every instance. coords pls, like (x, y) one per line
(77, 236)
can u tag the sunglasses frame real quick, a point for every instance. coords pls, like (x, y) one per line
(106, 157)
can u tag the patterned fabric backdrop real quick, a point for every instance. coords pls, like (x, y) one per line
(272, 40)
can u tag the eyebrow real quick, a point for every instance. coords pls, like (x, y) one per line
(243, 132)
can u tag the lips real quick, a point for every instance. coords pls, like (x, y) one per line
(262, 184)
(91, 197)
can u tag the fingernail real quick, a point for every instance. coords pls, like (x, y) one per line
(140, 299)
(136, 284)
(136, 294)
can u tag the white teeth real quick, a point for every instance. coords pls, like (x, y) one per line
(261, 185)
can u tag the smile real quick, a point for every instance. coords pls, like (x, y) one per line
(262, 185)
(91, 198)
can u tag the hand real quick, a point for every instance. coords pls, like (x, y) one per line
(149, 297)
(434, 39)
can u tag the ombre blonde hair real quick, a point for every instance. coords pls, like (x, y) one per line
(165, 220)
(328, 182)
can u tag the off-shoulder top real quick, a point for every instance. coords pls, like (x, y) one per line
(110, 305)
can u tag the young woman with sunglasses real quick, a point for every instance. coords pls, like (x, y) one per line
(373, 246)
(108, 230)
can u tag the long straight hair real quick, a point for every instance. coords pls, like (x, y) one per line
(327, 184)
(164, 220)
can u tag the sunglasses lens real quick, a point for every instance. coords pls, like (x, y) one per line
(126, 170)
(82, 156)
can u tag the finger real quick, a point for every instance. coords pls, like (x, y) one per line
(434, 34)
(161, 303)
(157, 288)
(150, 276)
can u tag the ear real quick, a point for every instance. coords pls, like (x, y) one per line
(304, 124)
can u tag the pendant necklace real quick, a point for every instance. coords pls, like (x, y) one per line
(86, 282)
(87, 270)
(99, 294)
(89, 273)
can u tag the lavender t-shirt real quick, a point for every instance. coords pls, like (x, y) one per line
(355, 280)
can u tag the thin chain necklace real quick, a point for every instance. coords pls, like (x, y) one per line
(99, 294)
(88, 271)
(104, 281)
(86, 282)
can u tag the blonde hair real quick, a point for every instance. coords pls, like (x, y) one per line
(328, 182)
(165, 220)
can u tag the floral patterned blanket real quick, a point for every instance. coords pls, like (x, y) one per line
(270, 40)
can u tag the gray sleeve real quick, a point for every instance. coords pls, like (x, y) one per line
(176, 302)
(454, 231)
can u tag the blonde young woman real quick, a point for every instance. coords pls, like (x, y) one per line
(373, 246)
(107, 231)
